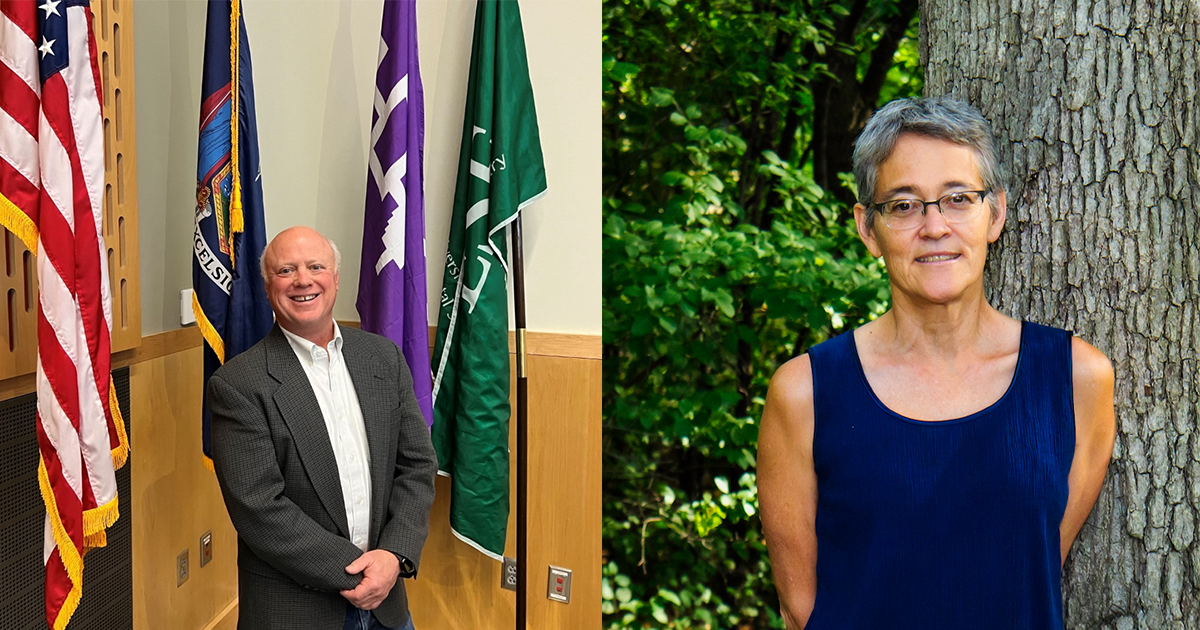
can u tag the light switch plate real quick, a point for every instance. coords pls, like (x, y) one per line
(558, 587)
(205, 548)
(186, 315)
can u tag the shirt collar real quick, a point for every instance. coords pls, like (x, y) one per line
(306, 349)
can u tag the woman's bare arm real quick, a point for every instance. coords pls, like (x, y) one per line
(1095, 431)
(787, 489)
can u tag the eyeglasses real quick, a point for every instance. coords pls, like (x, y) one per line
(956, 207)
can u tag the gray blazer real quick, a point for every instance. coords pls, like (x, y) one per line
(277, 472)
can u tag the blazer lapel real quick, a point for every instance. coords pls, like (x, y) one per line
(374, 391)
(298, 405)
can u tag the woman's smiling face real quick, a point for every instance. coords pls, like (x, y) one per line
(936, 261)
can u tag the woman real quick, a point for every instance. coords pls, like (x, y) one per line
(931, 468)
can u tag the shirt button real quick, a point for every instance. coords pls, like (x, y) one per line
(358, 501)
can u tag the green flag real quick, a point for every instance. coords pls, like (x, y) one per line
(500, 171)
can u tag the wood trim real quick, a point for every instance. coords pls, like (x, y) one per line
(17, 386)
(559, 345)
(226, 619)
(158, 345)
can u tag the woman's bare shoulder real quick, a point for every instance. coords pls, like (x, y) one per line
(791, 386)
(1089, 366)
(1092, 385)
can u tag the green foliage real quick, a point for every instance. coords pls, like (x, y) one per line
(723, 259)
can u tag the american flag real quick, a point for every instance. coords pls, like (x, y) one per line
(51, 180)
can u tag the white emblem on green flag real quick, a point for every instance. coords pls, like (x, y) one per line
(500, 172)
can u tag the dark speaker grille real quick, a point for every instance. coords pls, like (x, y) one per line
(107, 574)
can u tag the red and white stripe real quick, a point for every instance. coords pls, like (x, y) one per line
(51, 182)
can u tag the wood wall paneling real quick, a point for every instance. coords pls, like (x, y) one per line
(458, 587)
(18, 309)
(565, 474)
(176, 499)
(113, 24)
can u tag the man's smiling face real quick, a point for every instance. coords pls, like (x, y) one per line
(302, 283)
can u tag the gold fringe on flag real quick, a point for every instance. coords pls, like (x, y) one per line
(120, 454)
(19, 223)
(236, 221)
(208, 330)
(67, 552)
(97, 519)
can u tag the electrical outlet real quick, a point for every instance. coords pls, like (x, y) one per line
(558, 587)
(181, 568)
(205, 548)
(508, 575)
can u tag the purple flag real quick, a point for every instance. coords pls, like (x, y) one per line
(391, 286)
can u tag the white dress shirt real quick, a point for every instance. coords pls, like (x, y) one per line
(338, 401)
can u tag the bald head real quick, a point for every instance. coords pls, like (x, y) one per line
(295, 232)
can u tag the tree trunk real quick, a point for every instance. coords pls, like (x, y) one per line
(1098, 117)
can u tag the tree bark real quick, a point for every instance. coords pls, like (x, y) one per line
(1098, 117)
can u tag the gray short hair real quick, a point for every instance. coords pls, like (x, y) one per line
(337, 258)
(938, 117)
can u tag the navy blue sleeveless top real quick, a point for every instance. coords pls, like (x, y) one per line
(950, 524)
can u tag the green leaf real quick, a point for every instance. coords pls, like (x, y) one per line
(661, 97)
(693, 111)
(724, 303)
(722, 484)
(671, 178)
(623, 70)
(708, 518)
(713, 182)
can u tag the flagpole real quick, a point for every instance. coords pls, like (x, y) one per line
(518, 264)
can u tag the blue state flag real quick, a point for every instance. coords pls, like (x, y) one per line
(229, 300)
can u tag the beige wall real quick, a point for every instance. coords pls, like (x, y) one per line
(314, 68)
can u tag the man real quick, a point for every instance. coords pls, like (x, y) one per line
(323, 458)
